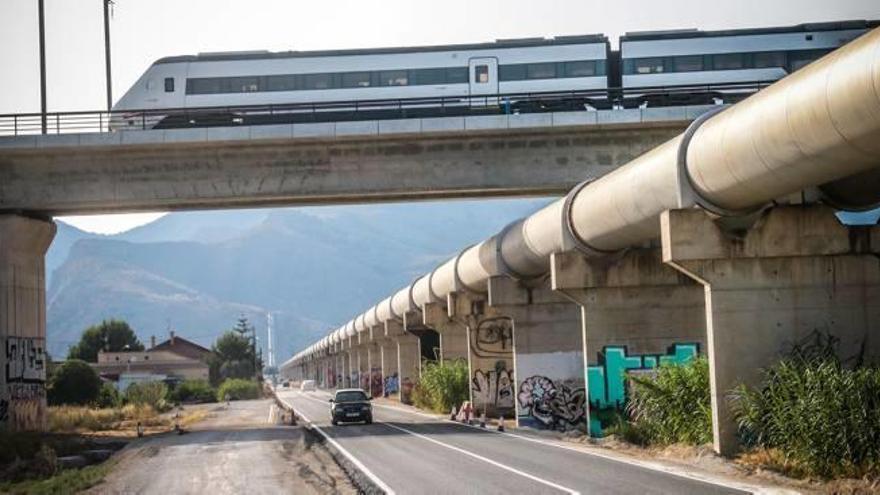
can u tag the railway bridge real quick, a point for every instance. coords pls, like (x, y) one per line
(682, 231)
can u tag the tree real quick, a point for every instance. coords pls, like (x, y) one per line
(110, 335)
(74, 382)
(232, 357)
(242, 327)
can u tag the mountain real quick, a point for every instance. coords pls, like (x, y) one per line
(313, 267)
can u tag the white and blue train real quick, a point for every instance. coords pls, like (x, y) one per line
(523, 75)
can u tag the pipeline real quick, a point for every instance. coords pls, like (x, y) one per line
(815, 130)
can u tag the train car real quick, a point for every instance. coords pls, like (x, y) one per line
(351, 84)
(691, 66)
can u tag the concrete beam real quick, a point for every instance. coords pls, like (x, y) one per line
(23, 245)
(795, 272)
(284, 171)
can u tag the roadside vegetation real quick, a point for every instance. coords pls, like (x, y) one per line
(814, 415)
(442, 385)
(670, 406)
(239, 389)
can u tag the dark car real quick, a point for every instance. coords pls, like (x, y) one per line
(351, 404)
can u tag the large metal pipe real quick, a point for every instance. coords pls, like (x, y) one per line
(817, 128)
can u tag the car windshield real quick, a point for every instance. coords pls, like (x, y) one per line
(352, 396)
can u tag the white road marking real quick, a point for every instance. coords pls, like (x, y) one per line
(653, 466)
(475, 456)
(486, 459)
(354, 460)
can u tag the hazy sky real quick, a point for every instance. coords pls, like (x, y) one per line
(144, 30)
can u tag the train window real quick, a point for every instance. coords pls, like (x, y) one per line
(541, 71)
(728, 61)
(281, 83)
(428, 76)
(356, 79)
(169, 84)
(581, 68)
(393, 78)
(240, 84)
(649, 65)
(481, 74)
(768, 59)
(456, 75)
(317, 81)
(690, 63)
(203, 86)
(512, 72)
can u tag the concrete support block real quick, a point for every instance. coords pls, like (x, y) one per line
(374, 365)
(635, 313)
(453, 335)
(23, 245)
(363, 368)
(795, 272)
(408, 365)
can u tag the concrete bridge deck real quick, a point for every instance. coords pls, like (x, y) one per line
(428, 158)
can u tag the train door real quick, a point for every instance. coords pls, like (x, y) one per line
(483, 77)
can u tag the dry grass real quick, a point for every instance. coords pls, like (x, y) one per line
(77, 418)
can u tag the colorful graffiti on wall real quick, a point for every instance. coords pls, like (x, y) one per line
(23, 394)
(391, 385)
(606, 381)
(376, 386)
(546, 404)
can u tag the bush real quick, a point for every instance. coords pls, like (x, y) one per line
(148, 393)
(73, 418)
(442, 385)
(108, 396)
(75, 382)
(821, 416)
(239, 389)
(194, 391)
(672, 406)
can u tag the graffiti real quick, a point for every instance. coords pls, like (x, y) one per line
(365, 382)
(493, 390)
(26, 391)
(25, 360)
(493, 338)
(392, 385)
(376, 386)
(550, 405)
(4, 410)
(607, 380)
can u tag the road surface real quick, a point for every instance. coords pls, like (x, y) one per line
(414, 453)
(239, 449)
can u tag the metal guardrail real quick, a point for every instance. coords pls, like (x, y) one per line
(100, 121)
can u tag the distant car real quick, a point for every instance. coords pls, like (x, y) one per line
(307, 385)
(350, 405)
(286, 384)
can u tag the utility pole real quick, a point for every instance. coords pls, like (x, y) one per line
(42, 23)
(107, 4)
(269, 336)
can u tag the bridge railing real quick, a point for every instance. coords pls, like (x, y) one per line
(348, 110)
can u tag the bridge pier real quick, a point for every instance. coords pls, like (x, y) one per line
(374, 364)
(409, 360)
(23, 245)
(543, 330)
(795, 272)
(352, 377)
(388, 358)
(635, 312)
(453, 335)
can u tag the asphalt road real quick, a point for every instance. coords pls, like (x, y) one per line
(238, 449)
(414, 453)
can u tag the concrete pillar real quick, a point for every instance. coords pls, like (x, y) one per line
(796, 272)
(363, 368)
(453, 338)
(635, 313)
(352, 367)
(545, 334)
(390, 377)
(374, 360)
(408, 358)
(23, 245)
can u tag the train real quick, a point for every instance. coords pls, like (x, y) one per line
(659, 68)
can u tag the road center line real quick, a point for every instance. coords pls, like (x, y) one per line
(354, 460)
(485, 459)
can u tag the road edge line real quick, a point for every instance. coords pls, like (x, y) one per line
(348, 455)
